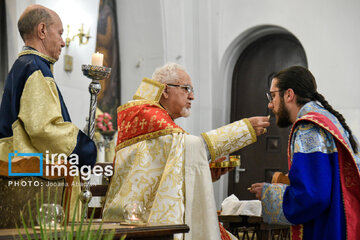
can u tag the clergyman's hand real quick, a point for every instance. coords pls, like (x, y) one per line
(260, 124)
(257, 189)
(216, 173)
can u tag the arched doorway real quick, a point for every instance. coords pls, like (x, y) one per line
(251, 79)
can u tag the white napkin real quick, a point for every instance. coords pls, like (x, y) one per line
(233, 206)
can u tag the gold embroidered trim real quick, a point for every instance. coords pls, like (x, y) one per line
(147, 137)
(301, 232)
(157, 84)
(7, 138)
(335, 135)
(27, 52)
(309, 118)
(332, 132)
(210, 146)
(50, 79)
(251, 130)
(136, 103)
(15, 124)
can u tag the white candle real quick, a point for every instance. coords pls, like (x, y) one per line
(97, 59)
(133, 218)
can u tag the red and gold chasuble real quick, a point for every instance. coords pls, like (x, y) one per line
(349, 177)
(180, 172)
(142, 120)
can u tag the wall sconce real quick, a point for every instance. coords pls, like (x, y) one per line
(83, 38)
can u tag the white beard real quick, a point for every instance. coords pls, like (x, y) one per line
(185, 112)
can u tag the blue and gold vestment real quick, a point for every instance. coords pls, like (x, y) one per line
(33, 115)
(315, 196)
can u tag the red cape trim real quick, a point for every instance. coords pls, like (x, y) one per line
(143, 120)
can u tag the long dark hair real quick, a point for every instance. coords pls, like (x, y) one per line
(303, 83)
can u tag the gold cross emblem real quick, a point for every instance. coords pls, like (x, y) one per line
(160, 122)
(142, 123)
(128, 125)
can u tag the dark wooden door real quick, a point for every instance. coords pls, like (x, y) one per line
(251, 80)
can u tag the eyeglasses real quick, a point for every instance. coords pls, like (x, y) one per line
(269, 95)
(187, 87)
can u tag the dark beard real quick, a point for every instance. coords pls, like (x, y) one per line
(283, 116)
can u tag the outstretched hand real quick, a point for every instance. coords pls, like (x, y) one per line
(257, 189)
(260, 124)
(216, 173)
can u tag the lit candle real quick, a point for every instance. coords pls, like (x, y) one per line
(97, 59)
(134, 218)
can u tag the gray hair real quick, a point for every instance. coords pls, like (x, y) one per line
(167, 73)
(31, 18)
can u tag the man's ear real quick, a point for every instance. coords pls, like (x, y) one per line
(41, 31)
(289, 95)
(165, 92)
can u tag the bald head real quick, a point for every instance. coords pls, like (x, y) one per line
(41, 29)
(32, 17)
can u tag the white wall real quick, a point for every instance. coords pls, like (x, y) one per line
(141, 42)
(14, 8)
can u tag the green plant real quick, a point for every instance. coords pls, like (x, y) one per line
(79, 230)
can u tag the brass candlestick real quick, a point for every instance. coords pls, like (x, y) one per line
(95, 73)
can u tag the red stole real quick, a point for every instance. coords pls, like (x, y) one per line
(349, 176)
(143, 120)
(224, 234)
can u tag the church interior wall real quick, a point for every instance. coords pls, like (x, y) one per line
(199, 34)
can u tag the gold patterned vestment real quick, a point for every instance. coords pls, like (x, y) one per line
(168, 170)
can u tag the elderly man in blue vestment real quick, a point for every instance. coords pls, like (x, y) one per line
(33, 115)
(34, 118)
(323, 198)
